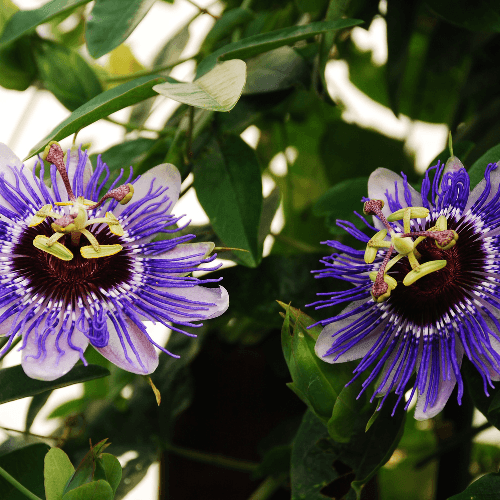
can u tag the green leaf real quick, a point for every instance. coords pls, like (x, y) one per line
(66, 74)
(96, 490)
(317, 383)
(257, 44)
(90, 468)
(476, 171)
(15, 384)
(277, 69)
(349, 414)
(311, 466)
(17, 68)
(224, 26)
(99, 107)
(25, 21)
(400, 18)
(111, 22)
(113, 470)
(228, 184)
(57, 471)
(484, 488)
(26, 466)
(340, 201)
(217, 90)
(481, 15)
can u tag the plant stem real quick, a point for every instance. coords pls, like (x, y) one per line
(267, 488)
(27, 493)
(202, 10)
(129, 126)
(146, 72)
(212, 459)
(14, 343)
(8, 429)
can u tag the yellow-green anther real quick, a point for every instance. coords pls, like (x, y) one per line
(114, 225)
(92, 239)
(370, 254)
(56, 249)
(415, 213)
(89, 252)
(383, 297)
(423, 270)
(388, 279)
(441, 224)
(402, 245)
(41, 215)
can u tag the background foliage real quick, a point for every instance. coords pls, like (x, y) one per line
(228, 427)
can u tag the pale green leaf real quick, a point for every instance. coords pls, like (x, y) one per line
(217, 90)
(57, 470)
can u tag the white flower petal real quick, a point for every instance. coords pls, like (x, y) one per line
(164, 175)
(115, 353)
(359, 350)
(445, 389)
(382, 180)
(53, 364)
(477, 191)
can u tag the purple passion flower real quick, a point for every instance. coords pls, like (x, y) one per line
(424, 291)
(74, 272)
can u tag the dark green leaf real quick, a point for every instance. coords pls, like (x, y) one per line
(101, 106)
(111, 22)
(317, 383)
(15, 384)
(25, 21)
(224, 26)
(311, 466)
(257, 44)
(90, 468)
(17, 65)
(481, 15)
(35, 406)
(340, 201)
(484, 488)
(66, 74)
(57, 471)
(476, 171)
(400, 18)
(276, 461)
(228, 184)
(25, 465)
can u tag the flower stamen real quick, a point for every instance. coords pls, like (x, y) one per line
(76, 222)
(404, 245)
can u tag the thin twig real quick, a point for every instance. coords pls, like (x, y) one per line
(213, 459)
(8, 429)
(202, 10)
(268, 487)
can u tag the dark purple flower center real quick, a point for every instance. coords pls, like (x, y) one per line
(69, 280)
(426, 300)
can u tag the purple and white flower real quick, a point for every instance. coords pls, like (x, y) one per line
(424, 291)
(73, 272)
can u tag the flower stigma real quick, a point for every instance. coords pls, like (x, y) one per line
(76, 222)
(404, 246)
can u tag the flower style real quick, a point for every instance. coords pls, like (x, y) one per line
(74, 273)
(425, 290)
